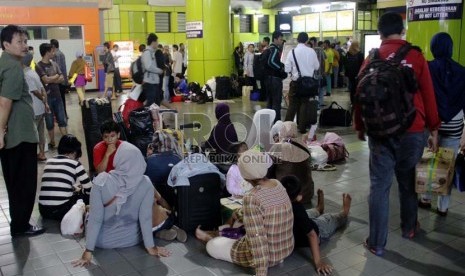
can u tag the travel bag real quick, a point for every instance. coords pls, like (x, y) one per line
(335, 115)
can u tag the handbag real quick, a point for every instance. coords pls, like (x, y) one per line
(87, 73)
(335, 115)
(305, 86)
(334, 147)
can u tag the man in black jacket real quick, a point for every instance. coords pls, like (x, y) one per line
(276, 74)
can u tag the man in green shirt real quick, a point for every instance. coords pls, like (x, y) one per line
(18, 134)
(329, 62)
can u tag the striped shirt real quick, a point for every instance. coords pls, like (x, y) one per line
(268, 221)
(62, 176)
(453, 128)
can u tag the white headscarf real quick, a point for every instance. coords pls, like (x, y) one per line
(128, 173)
(254, 165)
(260, 132)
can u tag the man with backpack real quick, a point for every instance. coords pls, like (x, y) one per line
(275, 74)
(397, 139)
(151, 82)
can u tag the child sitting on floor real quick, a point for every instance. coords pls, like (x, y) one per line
(235, 184)
(180, 86)
(311, 225)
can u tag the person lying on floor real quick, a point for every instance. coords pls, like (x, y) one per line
(312, 225)
(267, 220)
(121, 203)
(64, 180)
(163, 221)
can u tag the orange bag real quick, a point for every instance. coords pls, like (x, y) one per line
(87, 73)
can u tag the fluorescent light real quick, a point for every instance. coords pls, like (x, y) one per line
(296, 8)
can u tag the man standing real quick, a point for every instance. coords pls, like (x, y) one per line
(51, 76)
(39, 102)
(60, 59)
(168, 86)
(308, 63)
(18, 134)
(177, 61)
(109, 68)
(398, 155)
(276, 74)
(116, 77)
(319, 74)
(328, 66)
(182, 50)
(150, 89)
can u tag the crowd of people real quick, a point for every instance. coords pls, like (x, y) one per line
(270, 171)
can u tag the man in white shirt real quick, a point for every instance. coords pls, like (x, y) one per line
(117, 77)
(308, 63)
(177, 60)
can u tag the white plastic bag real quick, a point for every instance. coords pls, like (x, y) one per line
(135, 92)
(319, 155)
(72, 223)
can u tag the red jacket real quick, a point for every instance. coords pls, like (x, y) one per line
(424, 99)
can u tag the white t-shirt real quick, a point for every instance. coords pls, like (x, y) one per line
(116, 55)
(177, 61)
(34, 83)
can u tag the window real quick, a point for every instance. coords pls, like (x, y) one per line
(245, 23)
(263, 24)
(364, 20)
(181, 22)
(162, 22)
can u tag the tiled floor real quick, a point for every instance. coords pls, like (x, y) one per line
(438, 250)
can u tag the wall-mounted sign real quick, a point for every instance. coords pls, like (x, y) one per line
(312, 22)
(419, 10)
(345, 20)
(328, 21)
(298, 23)
(194, 29)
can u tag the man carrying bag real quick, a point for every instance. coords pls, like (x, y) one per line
(303, 84)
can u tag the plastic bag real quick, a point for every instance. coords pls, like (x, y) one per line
(319, 155)
(135, 92)
(72, 223)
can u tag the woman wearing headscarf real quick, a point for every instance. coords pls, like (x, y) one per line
(449, 88)
(78, 67)
(292, 157)
(223, 134)
(354, 60)
(259, 134)
(121, 207)
(267, 217)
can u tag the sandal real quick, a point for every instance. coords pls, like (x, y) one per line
(376, 251)
(325, 167)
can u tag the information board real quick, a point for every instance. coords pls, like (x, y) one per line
(419, 10)
(312, 22)
(298, 23)
(329, 21)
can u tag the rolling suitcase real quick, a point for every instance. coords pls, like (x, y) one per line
(199, 203)
(223, 88)
(94, 113)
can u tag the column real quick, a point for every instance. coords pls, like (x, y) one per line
(208, 55)
(424, 20)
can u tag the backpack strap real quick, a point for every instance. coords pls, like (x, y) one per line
(402, 52)
(296, 64)
(299, 146)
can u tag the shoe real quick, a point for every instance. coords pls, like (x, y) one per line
(441, 213)
(424, 204)
(376, 251)
(412, 233)
(167, 235)
(32, 231)
(181, 234)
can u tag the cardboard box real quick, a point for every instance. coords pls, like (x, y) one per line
(434, 172)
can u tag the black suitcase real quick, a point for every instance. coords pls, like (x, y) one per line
(199, 203)
(223, 88)
(94, 113)
(158, 169)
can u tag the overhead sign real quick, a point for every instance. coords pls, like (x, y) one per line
(419, 10)
(194, 29)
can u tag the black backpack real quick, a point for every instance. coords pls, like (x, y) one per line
(137, 72)
(385, 93)
(260, 66)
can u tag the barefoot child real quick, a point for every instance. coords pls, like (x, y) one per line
(311, 225)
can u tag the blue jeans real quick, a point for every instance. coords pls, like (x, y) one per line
(327, 223)
(57, 110)
(444, 200)
(328, 83)
(274, 88)
(397, 156)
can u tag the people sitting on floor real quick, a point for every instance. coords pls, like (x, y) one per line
(192, 165)
(180, 86)
(235, 184)
(267, 220)
(312, 225)
(223, 134)
(259, 133)
(64, 180)
(121, 204)
(104, 151)
(292, 157)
